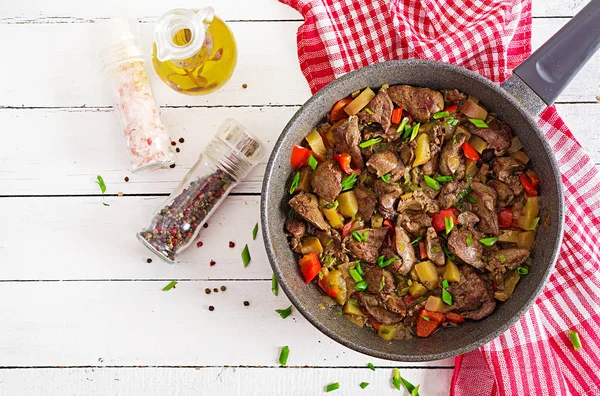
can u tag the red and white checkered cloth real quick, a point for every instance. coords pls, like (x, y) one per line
(535, 356)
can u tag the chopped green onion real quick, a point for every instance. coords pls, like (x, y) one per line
(432, 183)
(407, 131)
(334, 386)
(254, 232)
(333, 205)
(361, 286)
(410, 387)
(441, 114)
(380, 260)
(449, 223)
(449, 253)
(436, 249)
(295, 182)
(469, 240)
(246, 256)
(274, 285)
(386, 178)
(415, 392)
(283, 355)
(169, 286)
(358, 236)
(329, 242)
(359, 269)
(364, 384)
(402, 124)
(443, 179)
(453, 122)
(312, 162)
(471, 199)
(574, 336)
(534, 224)
(502, 258)
(522, 270)
(444, 283)
(100, 182)
(446, 297)
(381, 283)
(478, 123)
(417, 239)
(414, 132)
(489, 241)
(348, 182)
(369, 111)
(284, 313)
(425, 317)
(290, 214)
(320, 275)
(355, 275)
(396, 379)
(388, 262)
(370, 142)
(370, 365)
(454, 139)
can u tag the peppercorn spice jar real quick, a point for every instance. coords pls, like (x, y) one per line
(226, 161)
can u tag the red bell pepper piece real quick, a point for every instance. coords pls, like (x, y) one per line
(533, 178)
(299, 157)
(425, 327)
(505, 217)
(391, 230)
(422, 250)
(309, 266)
(470, 152)
(397, 115)
(328, 288)
(452, 109)
(530, 190)
(454, 317)
(344, 160)
(438, 219)
(337, 111)
(347, 229)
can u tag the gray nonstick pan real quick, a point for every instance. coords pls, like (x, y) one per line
(536, 83)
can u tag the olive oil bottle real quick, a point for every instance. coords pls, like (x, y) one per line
(194, 51)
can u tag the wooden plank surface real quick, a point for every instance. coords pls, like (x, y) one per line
(136, 323)
(222, 381)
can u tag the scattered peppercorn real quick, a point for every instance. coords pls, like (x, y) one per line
(246, 303)
(205, 225)
(120, 193)
(231, 244)
(173, 143)
(216, 290)
(177, 149)
(211, 308)
(181, 140)
(244, 86)
(199, 244)
(172, 166)
(149, 260)
(212, 262)
(126, 178)
(207, 290)
(223, 288)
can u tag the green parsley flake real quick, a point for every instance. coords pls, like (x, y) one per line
(364, 384)
(574, 337)
(169, 286)
(284, 313)
(254, 232)
(246, 256)
(283, 355)
(312, 162)
(295, 182)
(274, 285)
(370, 142)
(332, 387)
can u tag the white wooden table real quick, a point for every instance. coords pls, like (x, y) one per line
(81, 311)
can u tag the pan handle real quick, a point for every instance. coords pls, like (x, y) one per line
(549, 70)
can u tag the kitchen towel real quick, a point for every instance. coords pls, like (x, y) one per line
(535, 356)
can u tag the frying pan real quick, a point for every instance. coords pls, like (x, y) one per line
(535, 84)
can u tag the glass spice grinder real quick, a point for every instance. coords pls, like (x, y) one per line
(227, 160)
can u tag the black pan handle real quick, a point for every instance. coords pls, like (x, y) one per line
(551, 68)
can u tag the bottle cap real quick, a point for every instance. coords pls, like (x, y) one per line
(119, 41)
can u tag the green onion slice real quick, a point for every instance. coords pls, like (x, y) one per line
(369, 111)
(274, 285)
(402, 124)
(386, 178)
(407, 131)
(444, 283)
(489, 241)
(425, 317)
(449, 253)
(332, 387)
(443, 179)
(358, 236)
(432, 183)
(359, 269)
(284, 313)
(169, 286)
(469, 240)
(478, 123)
(453, 122)
(370, 142)
(446, 297)
(364, 384)
(388, 262)
(246, 256)
(254, 232)
(312, 162)
(534, 224)
(381, 283)
(361, 286)
(522, 270)
(370, 365)
(100, 182)
(396, 379)
(449, 223)
(471, 199)
(574, 336)
(283, 355)
(441, 114)
(417, 239)
(348, 182)
(295, 181)
(502, 258)
(415, 132)
(355, 275)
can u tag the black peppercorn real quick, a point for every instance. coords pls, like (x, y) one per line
(177, 149)
(223, 288)
(212, 262)
(126, 179)
(172, 166)
(216, 290)
(246, 303)
(149, 260)
(231, 244)
(181, 140)
(211, 308)
(207, 290)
